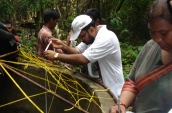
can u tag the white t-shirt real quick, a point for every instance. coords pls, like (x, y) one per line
(106, 50)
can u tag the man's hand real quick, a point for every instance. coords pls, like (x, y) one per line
(49, 54)
(56, 43)
(59, 51)
(114, 109)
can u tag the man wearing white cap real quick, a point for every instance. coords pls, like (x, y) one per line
(104, 48)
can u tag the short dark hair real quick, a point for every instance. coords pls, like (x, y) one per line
(50, 13)
(91, 24)
(7, 22)
(94, 14)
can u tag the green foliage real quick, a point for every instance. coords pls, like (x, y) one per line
(78, 68)
(132, 14)
(126, 69)
(6, 9)
(115, 20)
(66, 26)
(127, 19)
(129, 54)
(29, 43)
(125, 35)
(67, 23)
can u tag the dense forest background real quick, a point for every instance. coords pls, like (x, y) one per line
(124, 17)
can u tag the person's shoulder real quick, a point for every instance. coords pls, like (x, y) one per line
(151, 43)
(3, 27)
(103, 30)
(44, 33)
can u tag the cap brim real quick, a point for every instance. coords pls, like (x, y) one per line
(75, 35)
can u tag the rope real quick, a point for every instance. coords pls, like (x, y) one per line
(61, 81)
(41, 87)
(20, 88)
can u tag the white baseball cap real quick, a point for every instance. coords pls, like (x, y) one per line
(78, 24)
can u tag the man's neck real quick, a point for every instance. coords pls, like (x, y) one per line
(46, 25)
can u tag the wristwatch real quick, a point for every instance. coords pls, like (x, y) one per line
(56, 55)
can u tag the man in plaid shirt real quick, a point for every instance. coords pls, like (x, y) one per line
(51, 17)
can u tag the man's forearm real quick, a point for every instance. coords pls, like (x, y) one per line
(74, 59)
(69, 50)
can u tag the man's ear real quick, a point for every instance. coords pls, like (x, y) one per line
(97, 22)
(51, 20)
(92, 31)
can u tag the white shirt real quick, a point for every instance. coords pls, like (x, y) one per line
(106, 50)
